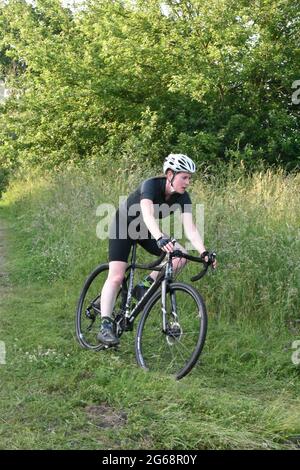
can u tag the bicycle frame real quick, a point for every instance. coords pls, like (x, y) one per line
(131, 314)
(163, 279)
(162, 297)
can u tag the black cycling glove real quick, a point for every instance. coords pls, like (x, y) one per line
(204, 254)
(163, 241)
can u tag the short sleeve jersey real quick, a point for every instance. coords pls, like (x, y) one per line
(154, 189)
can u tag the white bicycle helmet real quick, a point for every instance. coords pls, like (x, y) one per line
(179, 162)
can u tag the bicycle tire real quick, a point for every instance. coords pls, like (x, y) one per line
(178, 351)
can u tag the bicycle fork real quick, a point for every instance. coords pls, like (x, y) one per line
(173, 313)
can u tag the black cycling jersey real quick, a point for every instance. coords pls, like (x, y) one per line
(154, 189)
(123, 232)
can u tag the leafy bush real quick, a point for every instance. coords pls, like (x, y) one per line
(125, 77)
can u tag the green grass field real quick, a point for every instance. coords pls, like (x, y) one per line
(243, 393)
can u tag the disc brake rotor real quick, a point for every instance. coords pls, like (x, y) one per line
(174, 332)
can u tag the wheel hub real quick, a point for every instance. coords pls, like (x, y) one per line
(174, 333)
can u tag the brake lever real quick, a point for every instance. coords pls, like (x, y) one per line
(211, 258)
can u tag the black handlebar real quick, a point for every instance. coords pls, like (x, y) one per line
(179, 254)
(211, 258)
(152, 265)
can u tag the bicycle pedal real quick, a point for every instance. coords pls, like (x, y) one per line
(112, 346)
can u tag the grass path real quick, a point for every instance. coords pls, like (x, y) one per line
(4, 279)
(57, 396)
(4, 285)
(244, 392)
(3, 274)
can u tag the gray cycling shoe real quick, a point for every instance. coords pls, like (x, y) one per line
(107, 334)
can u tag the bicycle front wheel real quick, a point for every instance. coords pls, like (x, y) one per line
(173, 348)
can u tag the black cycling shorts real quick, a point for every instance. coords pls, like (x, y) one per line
(120, 241)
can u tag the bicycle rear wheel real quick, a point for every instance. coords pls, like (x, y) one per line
(88, 314)
(176, 349)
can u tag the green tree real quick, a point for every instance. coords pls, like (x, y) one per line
(138, 79)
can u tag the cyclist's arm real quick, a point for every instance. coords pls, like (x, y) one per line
(191, 232)
(147, 209)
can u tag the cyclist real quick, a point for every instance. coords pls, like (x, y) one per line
(135, 222)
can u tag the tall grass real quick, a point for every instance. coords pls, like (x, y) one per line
(245, 391)
(252, 222)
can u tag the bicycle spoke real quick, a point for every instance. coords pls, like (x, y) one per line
(176, 349)
(88, 317)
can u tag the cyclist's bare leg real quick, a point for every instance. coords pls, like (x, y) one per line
(111, 287)
(178, 263)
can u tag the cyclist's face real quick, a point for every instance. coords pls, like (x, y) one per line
(181, 182)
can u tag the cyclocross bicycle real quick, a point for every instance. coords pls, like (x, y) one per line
(172, 330)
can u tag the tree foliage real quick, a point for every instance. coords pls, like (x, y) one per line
(212, 78)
